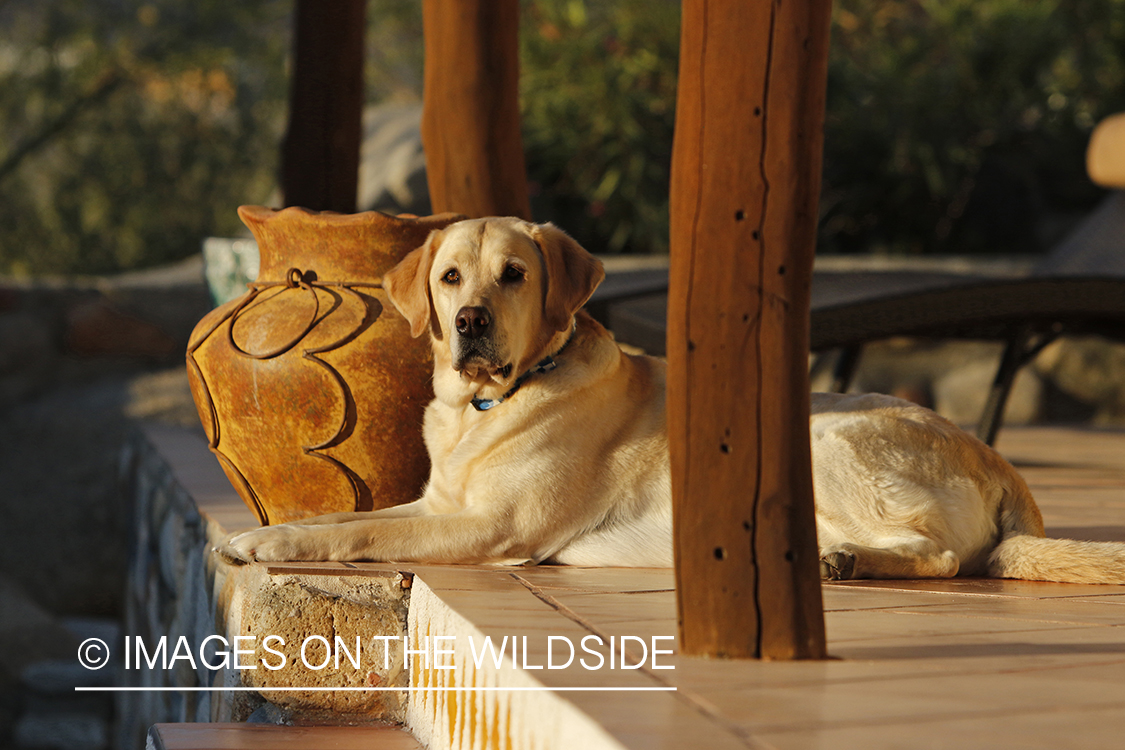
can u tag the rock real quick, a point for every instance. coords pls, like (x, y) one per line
(951, 377)
(59, 677)
(60, 494)
(28, 633)
(392, 172)
(105, 628)
(9, 709)
(25, 339)
(268, 713)
(44, 654)
(1088, 369)
(1073, 379)
(229, 264)
(63, 731)
(960, 394)
(298, 608)
(27, 355)
(96, 327)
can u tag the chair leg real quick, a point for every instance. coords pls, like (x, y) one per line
(845, 368)
(1010, 364)
(1020, 350)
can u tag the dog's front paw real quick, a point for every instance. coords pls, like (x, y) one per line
(267, 544)
(230, 554)
(837, 565)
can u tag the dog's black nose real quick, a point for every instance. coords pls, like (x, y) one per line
(472, 322)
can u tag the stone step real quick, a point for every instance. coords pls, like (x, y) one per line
(267, 737)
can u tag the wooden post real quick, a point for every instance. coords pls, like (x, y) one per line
(745, 182)
(470, 110)
(320, 157)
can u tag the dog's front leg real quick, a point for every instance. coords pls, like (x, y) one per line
(285, 542)
(462, 537)
(407, 510)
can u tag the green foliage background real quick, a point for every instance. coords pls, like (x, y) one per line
(130, 130)
(960, 126)
(598, 92)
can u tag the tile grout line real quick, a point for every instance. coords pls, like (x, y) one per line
(570, 614)
(999, 618)
(916, 718)
(975, 594)
(697, 703)
(925, 676)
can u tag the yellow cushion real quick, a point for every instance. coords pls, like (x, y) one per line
(1105, 157)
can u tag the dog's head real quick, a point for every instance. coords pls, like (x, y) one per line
(494, 295)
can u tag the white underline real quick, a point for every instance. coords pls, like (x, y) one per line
(367, 689)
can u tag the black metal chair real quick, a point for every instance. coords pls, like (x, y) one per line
(1079, 288)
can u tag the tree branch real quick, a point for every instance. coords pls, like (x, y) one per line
(106, 86)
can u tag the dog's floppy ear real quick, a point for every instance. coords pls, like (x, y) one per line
(572, 274)
(408, 287)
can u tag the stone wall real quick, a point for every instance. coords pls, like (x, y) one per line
(54, 331)
(178, 590)
(168, 593)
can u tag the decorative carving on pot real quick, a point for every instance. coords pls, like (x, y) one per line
(310, 387)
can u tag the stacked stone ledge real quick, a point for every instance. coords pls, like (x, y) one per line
(178, 589)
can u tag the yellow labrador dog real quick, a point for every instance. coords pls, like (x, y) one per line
(548, 443)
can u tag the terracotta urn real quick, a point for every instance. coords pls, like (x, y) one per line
(309, 386)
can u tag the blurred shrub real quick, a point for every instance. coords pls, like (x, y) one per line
(598, 86)
(953, 126)
(130, 130)
(395, 50)
(960, 126)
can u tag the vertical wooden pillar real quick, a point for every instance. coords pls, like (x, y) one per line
(745, 182)
(470, 112)
(320, 157)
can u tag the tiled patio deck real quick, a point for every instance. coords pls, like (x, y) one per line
(933, 664)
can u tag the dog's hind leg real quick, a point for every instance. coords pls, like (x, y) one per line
(913, 558)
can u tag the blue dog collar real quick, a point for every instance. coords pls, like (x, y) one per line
(484, 404)
(546, 364)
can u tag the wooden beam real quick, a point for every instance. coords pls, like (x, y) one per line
(745, 182)
(320, 156)
(470, 112)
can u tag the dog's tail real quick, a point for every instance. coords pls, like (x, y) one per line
(1065, 560)
(1024, 552)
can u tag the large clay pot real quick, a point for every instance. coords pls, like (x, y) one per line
(309, 386)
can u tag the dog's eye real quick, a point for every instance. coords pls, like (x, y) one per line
(512, 273)
(451, 277)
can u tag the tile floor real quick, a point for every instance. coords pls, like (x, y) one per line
(917, 664)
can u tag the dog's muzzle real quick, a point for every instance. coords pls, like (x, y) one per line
(476, 347)
(473, 322)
